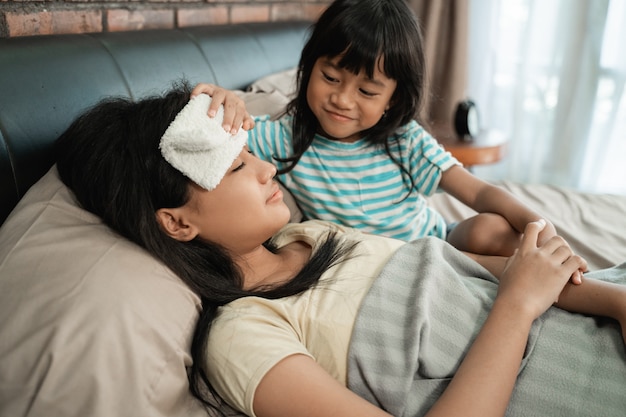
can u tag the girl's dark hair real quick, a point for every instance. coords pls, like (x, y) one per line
(362, 31)
(110, 158)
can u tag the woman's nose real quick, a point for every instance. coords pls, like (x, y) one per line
(268, 171)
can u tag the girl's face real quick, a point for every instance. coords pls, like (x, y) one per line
(346, 104)
(243, 211)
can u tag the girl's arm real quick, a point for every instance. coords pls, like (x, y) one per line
(487, 198)
(597, 298)
(531, 280)
(235, 113)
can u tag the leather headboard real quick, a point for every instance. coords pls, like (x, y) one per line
(46, 81)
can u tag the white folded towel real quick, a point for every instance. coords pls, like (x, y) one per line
(198, 146)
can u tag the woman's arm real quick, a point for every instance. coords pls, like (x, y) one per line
(531, 280)
(298, 386)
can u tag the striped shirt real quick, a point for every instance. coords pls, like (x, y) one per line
(356, 184)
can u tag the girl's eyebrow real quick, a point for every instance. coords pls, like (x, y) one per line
(330, 62)
(375, 81)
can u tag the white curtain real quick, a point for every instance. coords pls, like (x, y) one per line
(550, 75)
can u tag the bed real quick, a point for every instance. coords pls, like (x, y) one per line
(90, 325)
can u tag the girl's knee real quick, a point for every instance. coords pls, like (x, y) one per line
(487, 234)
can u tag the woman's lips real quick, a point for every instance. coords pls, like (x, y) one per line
(277, 195)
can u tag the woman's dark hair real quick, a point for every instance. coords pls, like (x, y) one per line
(110, 158)
(362, 31)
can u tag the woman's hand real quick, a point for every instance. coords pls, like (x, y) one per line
(235, 114)
(536, 274)
(547, 233)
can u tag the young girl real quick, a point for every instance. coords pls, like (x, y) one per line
(349, 148)
(280, 302)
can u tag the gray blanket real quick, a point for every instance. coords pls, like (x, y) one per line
(422, 314)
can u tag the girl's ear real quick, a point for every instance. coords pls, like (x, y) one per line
(174, 224)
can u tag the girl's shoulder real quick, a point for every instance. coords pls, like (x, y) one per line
(267, 125)
(412, 130)
(285, 119)
(414, 135)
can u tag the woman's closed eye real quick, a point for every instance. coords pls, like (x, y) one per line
(239, 167)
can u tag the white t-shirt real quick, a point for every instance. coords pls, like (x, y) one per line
(253, 334)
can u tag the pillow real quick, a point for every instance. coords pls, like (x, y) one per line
(90, 324)
(270, 94)
(260, 103)
(282, 82)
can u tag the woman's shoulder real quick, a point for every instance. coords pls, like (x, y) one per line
(309, 231)
(313, 233)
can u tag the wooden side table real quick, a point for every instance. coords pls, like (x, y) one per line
(487, 147)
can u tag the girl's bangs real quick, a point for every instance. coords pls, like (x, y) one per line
(359, 49)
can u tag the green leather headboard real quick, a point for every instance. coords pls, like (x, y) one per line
(46, 81)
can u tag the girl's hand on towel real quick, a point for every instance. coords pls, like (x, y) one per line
(535, 275)
(235, 114)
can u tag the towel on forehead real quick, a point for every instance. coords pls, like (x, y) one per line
(198, 146)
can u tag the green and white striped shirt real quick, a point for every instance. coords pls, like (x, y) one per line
(357, 184)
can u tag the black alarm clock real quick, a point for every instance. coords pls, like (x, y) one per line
(466, 121)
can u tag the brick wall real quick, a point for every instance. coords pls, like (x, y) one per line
(37, 17)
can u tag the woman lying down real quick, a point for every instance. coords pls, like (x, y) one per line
(313, 319)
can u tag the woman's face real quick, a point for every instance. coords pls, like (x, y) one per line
(244, 210)
(346, 104)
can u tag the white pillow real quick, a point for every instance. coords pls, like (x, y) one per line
(90, 324)
(282, 82)
(270, 94)
(260, 103)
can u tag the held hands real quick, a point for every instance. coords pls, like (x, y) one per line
(547, 233)
(235, 114)
(536, 274)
